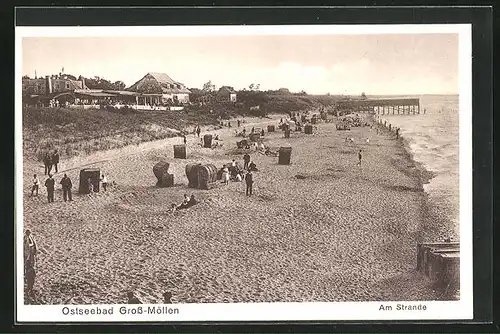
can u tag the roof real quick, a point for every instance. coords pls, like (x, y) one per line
(158, 83)
(85, 91)
(122, 92)
(93, 92)
(162, 78)
(228, 89)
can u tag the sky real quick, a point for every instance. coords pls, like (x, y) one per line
(390, 64)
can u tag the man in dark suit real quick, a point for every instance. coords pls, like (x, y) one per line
(66, 186)
(49, 184)
(55, 159)
(47, 162)
(246, 160)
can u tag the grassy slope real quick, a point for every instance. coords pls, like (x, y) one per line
(76, 132)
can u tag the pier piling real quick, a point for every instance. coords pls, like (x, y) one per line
(381, 106)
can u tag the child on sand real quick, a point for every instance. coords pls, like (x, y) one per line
(36, 185)
(359, 158)
(90, 186)
(225, 175)
(104, 181)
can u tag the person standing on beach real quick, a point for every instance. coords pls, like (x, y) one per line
(66, 187)
(49, 184)
(90, 186)
(239, 123)
(104, 181)
(36, 185)
(249, 182)
(246, 160)
(359, 158)
(397, 133)
(47, 163)
(225, 175)
(198, 130)
(30, 251)
(55, 159)
(184, 139)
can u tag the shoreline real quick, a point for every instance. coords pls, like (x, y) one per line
(436, 225)
(305, 246)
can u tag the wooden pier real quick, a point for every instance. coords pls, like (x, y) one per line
(381, 106)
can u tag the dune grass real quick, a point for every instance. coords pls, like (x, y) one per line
(76, 132)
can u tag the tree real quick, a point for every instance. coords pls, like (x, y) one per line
(118, 85)
(254, 87)
(25, 77)
(208, 86)
(363, 95)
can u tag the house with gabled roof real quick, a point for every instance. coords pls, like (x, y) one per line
(159, 88)
(227, 94)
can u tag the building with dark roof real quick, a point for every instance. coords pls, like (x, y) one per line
(227, 94)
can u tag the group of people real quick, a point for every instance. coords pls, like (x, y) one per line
(91, 185)
(238, 175)
(66, 185)
(51, 160)
(389, 126)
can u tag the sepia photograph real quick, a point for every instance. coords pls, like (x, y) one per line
(283, 166)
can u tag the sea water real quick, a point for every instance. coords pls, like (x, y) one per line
(433, 139)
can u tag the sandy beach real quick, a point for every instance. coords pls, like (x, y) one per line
(338, 232)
